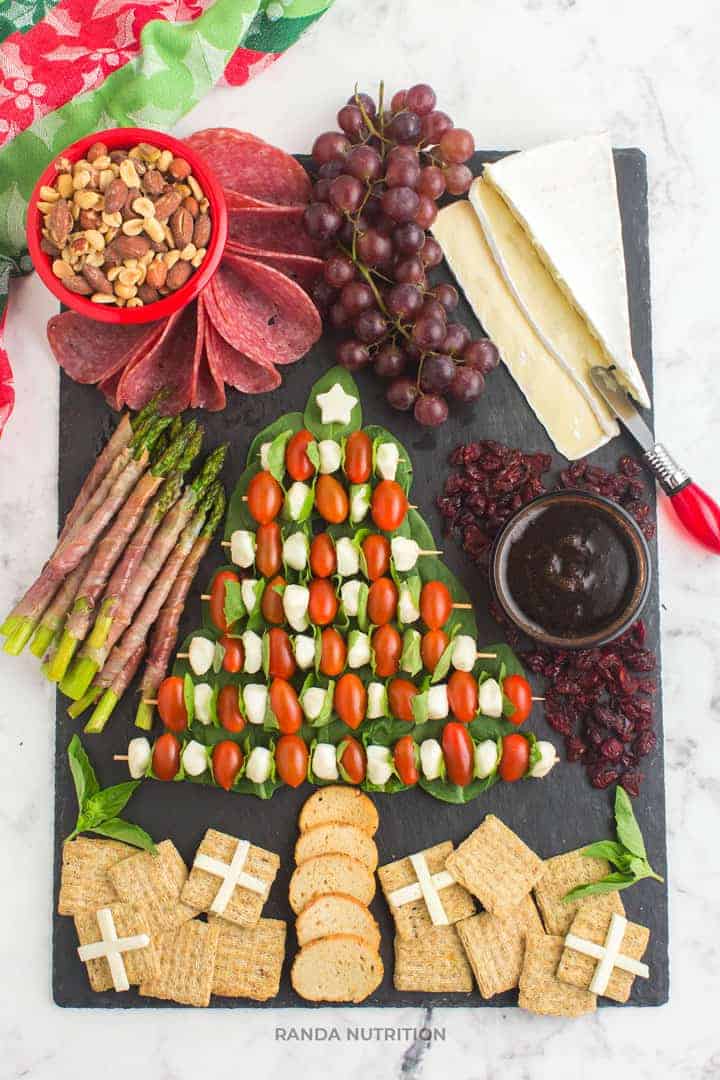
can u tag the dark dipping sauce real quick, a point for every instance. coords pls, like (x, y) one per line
(569, 569)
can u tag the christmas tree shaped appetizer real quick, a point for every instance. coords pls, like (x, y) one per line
(336, 645)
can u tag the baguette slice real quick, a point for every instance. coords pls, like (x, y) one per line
(335, 913)
(344, 804)
(330, 874)
(337, 837)
(341, 967)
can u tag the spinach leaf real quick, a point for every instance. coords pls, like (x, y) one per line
(312, 417)
(505, 659)
(291, 422)
(453, 793)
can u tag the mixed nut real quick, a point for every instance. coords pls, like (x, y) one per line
(124, 227)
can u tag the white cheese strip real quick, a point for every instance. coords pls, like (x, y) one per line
(438, 917)
(609, 955)
(565, 195)
(232, 875)
(552, 394)
(111, 947)
(408, 893)
(558, 324)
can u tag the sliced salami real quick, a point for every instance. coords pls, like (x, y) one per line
(245, 164)
(277, 228)
(207, 391)
(108, 387)
(305, 269)
(167, 366)
(261, 312)
(236, 369)
(90, 351)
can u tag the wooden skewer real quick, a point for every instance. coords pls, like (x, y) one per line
(120, 757)
(150, 701)
(225, 543)
(462, 607)
(182, 655)
(538, 699)
(486, 656)
(430, 553)
(205, 596)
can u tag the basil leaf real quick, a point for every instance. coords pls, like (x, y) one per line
(404, 472)
(117, 829)
(233, 606)
(276, 455)
(363, 492)
(611, 851)
(628, 830)
(83, 774)
(326, 710)
(107, 803)
(313, 454)
(610, 883)
(410, 659)
(312, 417)
(218, 657)
(443, 665)
(362, 617)
(292, 422)
(420, 707)
(265, 654)
(535, 754)
(189, 698)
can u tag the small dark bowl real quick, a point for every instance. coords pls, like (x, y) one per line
(621, 521)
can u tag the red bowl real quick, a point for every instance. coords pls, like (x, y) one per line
(121, 139)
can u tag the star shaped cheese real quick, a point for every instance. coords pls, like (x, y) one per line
(335, 405)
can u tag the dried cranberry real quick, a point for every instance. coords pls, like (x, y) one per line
(559, 722)
(631, 781)
(574, 748)
(629, 466)
(645, 743)
(640, 659)
(602, 775)
(612, 749)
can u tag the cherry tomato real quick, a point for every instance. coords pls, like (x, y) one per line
(264, 497)
(286, 707)
(228, 709)
(387, 646)
(217, 598)
(388, 506)
(358, 457)
(331, 500)
(297, 462)
(281, 663)
(382, 601)
(433, 645)
(323, 561)
(400, 695)
(459, 753)
(227, 761)
(333, 652)
(234, 657)
(519, 691)
(350, 699)
(268, 552)
(515, 758)
(462, 694)
(405, 760)
(271, 604)
(171, 703)
(435, 604)
(323, 603)
(166, 757)
(291, 759)
(353, 762)
(376, 549)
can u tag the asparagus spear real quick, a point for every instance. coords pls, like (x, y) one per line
(112, 545)
(80, 540)
(165, 631)
(54, 616)
(112, 674)
(116, 614)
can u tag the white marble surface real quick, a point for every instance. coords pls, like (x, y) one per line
(517, 73)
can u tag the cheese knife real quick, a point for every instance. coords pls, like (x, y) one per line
(697, 511)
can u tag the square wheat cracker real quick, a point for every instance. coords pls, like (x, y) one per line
(140, 963)
(244, 906)
(186, 965)
(495, 945)
(84, 881)
(435, 962)
(495, 865)
(576, 969)
(562, 873)
(155, 881)
(541, 991)
(413, 919)
(249, 959)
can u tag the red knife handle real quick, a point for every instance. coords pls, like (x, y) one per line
(699, 514)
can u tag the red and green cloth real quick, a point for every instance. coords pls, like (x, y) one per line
(68, 67)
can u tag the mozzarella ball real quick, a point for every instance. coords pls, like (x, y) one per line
(139, 755)
(194, 758)
(259, 764)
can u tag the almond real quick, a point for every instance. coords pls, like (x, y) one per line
(167, 204)
(128, 247)
(148, 294)
(115, 195)
(156, 275)
(178, 275)
(153, 182)
(77, 284)
(181, 224)
(60, 222)
(202, 230)
(97, 279)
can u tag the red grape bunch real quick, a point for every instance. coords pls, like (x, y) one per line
(374, 198)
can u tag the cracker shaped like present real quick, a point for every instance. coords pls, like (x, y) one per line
(435, 962)
(85, 884)
(230, 877)
(115, 945)
(186, 965)
(603, 953)
(495, 945)
(249, 959)
(541, 991)
(562, 873)
(495, 865)
(154, 881)
(421, 893)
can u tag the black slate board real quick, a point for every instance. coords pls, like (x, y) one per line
(552, 816)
